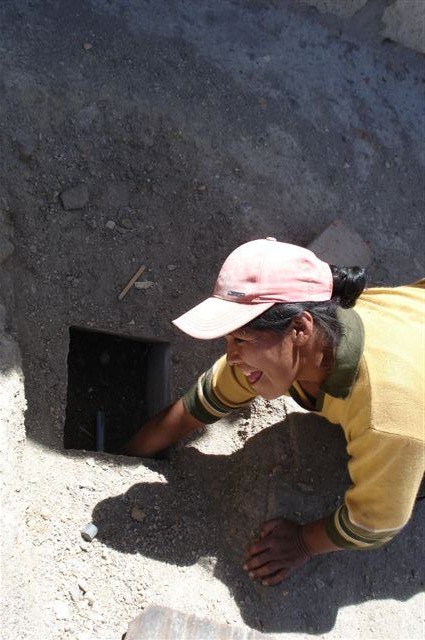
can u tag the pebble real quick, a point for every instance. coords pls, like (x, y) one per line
(75, 593)
(110, 225)
(172, 267)
(146, 284)
(89, 532)
(87, 46)
(75, 197)
(137, 513)
(126, 223)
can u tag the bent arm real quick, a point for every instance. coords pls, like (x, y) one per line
(217, 392)
(161, 431)
(386, 470)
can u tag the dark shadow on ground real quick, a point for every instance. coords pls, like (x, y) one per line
(212, 505)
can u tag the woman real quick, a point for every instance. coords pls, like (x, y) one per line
(294, 324)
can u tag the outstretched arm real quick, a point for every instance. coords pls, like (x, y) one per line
(162, 430)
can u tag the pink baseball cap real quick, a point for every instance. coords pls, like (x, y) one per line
(254, 277)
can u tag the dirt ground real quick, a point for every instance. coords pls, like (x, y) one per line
(187, 128)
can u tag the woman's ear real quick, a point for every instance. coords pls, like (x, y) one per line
(302, 328)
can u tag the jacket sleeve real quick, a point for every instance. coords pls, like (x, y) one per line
(386, 471)
(218, 391)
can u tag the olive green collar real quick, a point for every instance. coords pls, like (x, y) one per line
(347, 360)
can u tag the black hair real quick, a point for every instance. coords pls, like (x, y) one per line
(348, 284)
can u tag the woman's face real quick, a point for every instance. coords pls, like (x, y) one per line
(269, 360)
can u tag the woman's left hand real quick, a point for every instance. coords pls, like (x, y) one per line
(280, 549)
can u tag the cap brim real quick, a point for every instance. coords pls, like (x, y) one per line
(216, 317)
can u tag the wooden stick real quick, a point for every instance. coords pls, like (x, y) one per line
(131, 282)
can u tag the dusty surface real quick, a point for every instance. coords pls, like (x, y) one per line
(187, 128)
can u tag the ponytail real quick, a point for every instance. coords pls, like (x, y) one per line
(348, 284)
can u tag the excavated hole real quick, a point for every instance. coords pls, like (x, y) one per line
(115, 383)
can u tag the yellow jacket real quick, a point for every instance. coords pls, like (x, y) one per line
(376, 393)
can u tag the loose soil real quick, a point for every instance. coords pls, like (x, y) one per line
(187, 128)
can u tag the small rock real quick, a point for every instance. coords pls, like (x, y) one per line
(75, 197)
(144, 284)
(89, 532)
(87, 46)
(75, 593)
(110, 225)
(172, 267)
(121, 229)
(319, 583)
(340, 244)
(61, 610)
(126, 223)
(89, 596)
(137, 513)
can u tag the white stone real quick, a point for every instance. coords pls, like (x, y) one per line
(144, 284)
(404, 22)
(342, 246)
